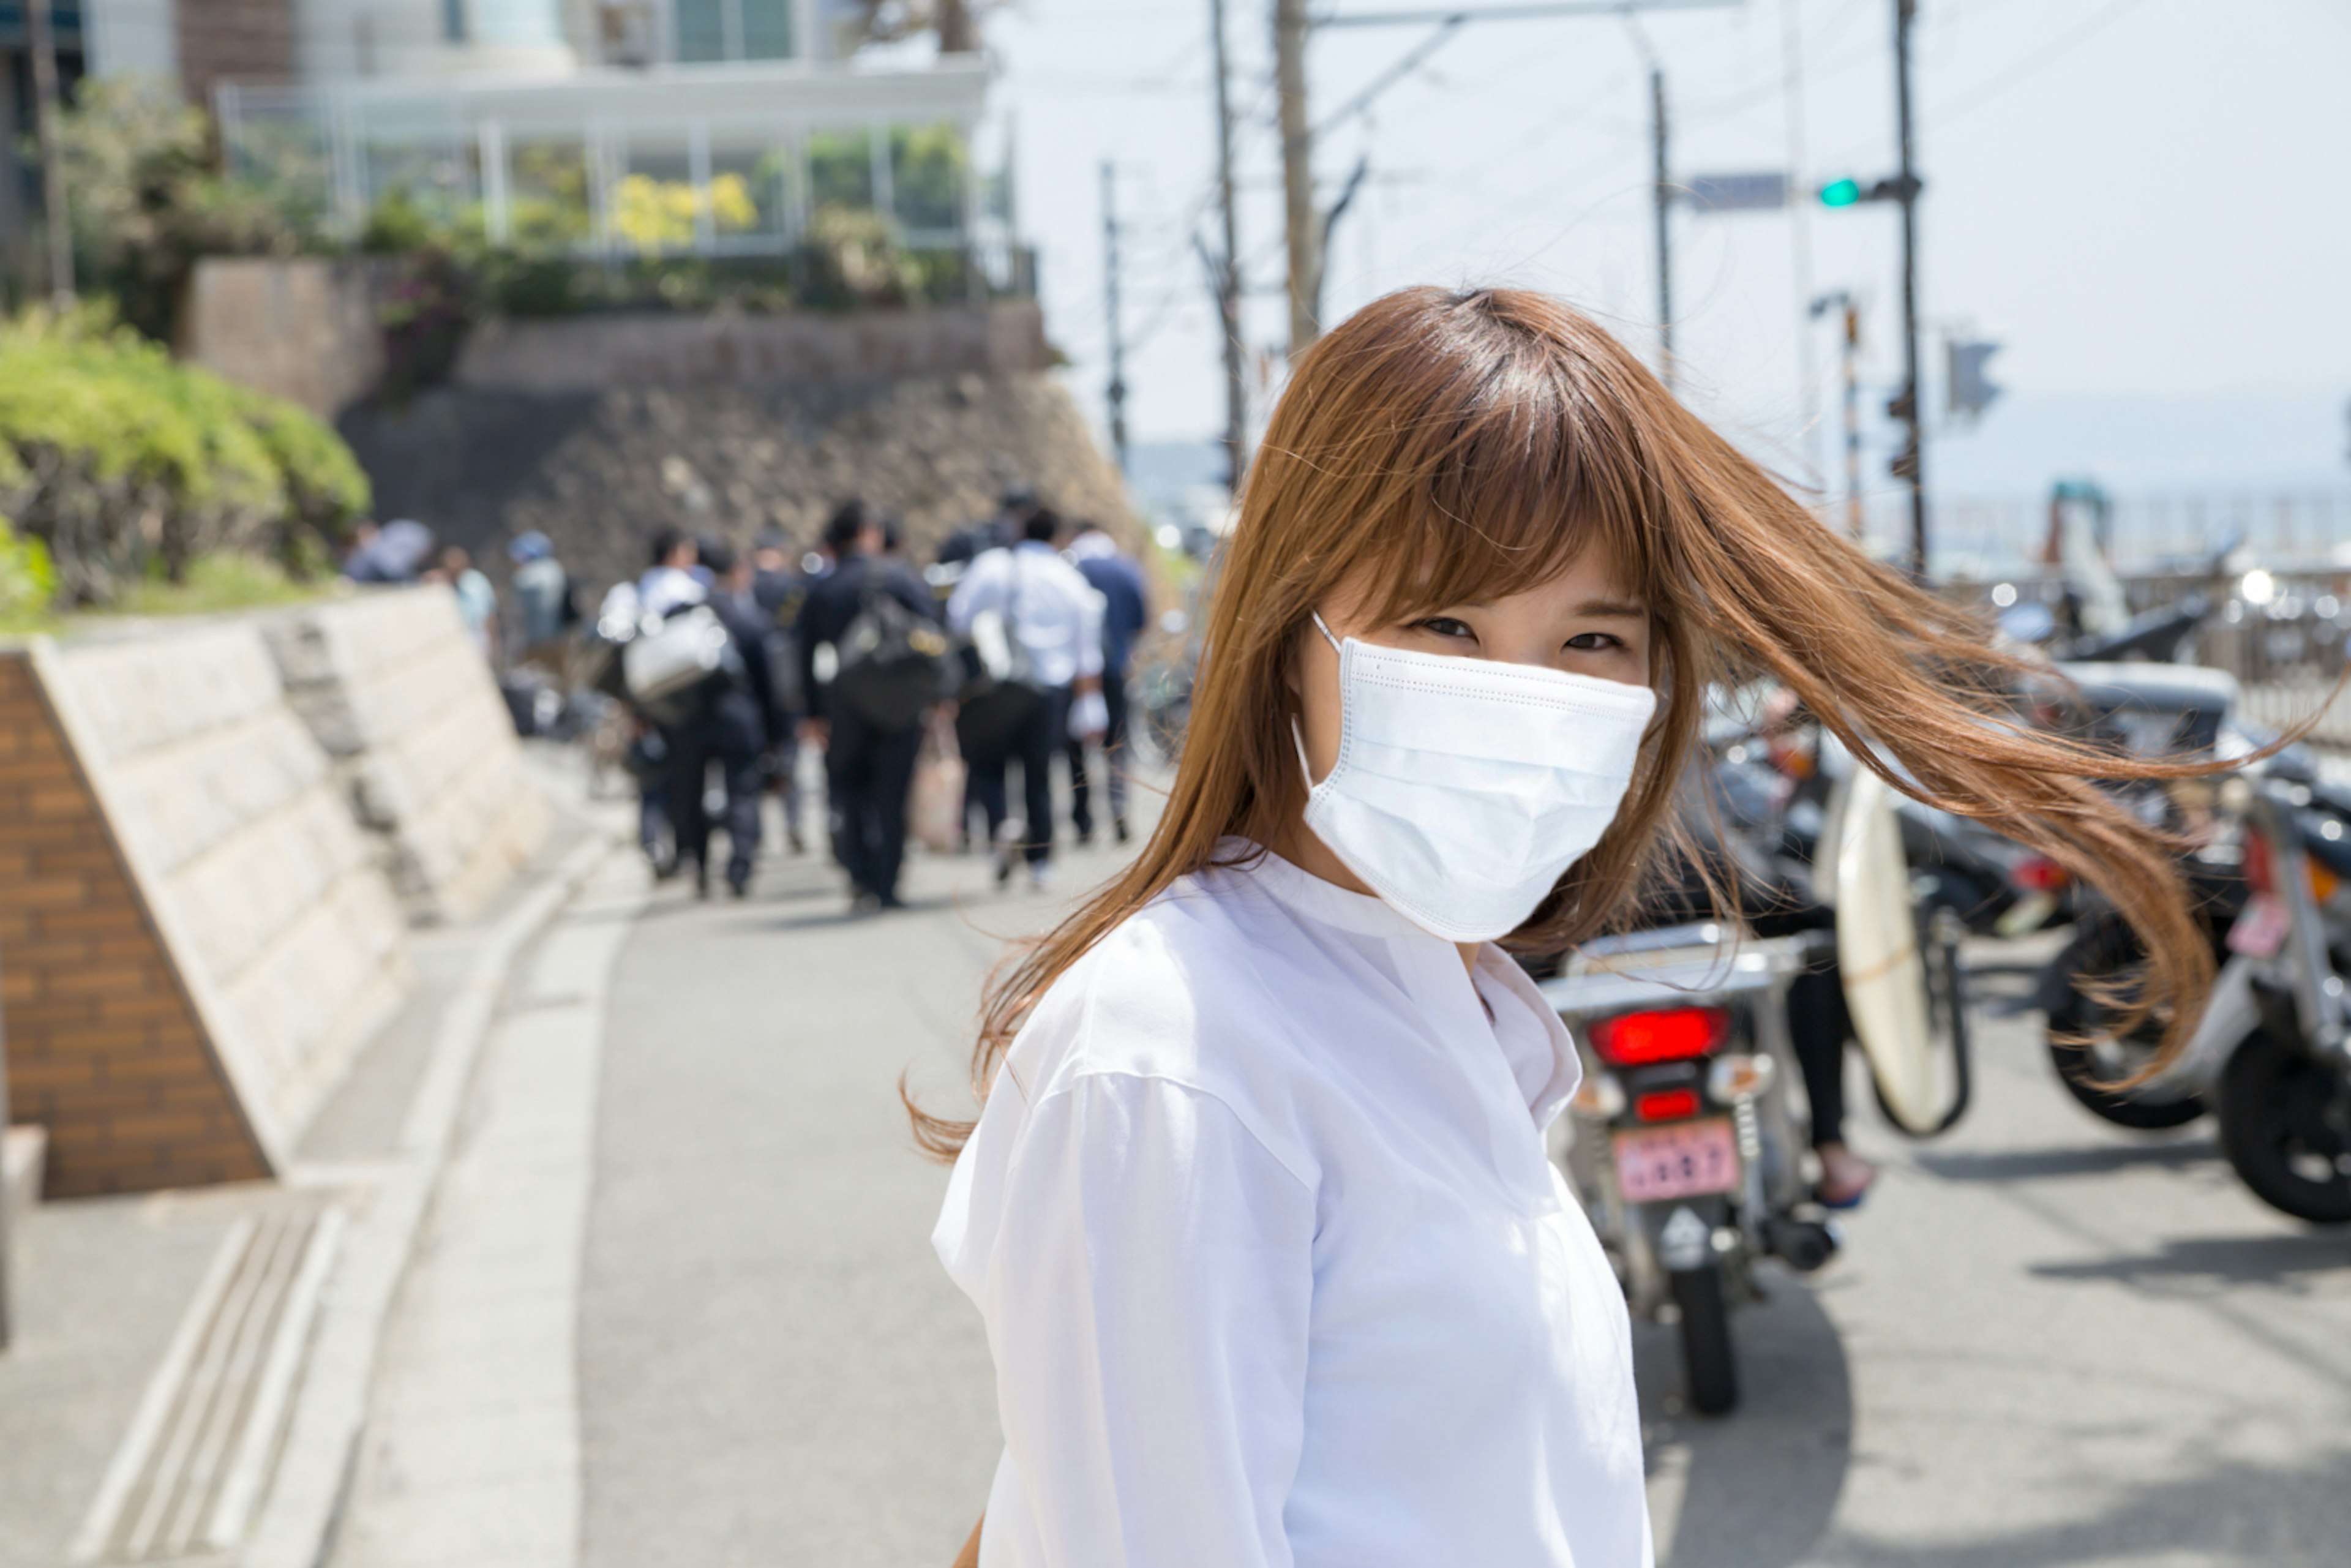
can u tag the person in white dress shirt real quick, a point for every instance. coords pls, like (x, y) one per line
(1256, 1211)
(1054, 617)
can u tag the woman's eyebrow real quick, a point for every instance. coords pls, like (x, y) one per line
(1613, 609)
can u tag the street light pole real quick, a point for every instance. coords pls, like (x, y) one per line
(1227, 268)
(1910, 466)
(42, 45)
(1663, 194)
(1116, 392)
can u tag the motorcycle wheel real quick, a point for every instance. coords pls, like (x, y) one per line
(2086, 1069)
(1709, 1368)
(2283, 1127)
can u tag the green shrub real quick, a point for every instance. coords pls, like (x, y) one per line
(28, 582)
(147, 201)
(125, 461)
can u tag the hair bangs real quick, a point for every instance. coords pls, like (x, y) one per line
(1510, 489)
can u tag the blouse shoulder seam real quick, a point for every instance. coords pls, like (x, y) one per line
(1246, 1122)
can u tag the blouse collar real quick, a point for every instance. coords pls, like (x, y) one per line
(1304, 893)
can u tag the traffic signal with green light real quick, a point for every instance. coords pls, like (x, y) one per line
(1849, 192)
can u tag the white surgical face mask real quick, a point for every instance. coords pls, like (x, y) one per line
(1464, 787)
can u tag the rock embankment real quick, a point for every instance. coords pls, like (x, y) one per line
(600, 472)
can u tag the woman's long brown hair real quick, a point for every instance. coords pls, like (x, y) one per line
(1457, 447)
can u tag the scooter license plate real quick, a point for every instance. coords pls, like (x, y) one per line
(2261, 927)
(1654, 1164)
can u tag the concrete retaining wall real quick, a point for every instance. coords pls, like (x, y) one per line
(395, 693)
(303, 328)
(198, 933)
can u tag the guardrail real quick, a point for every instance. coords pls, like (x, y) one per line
(2283, 631)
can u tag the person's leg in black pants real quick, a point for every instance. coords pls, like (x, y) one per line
(1818, 1027)
(691, 747)
(1113, 748)
(984, 784)
(745, 782)
(847, 778)
(1039, 739)
(1081, 804)
(892, 775)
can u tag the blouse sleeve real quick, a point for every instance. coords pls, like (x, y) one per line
(1149, 1295)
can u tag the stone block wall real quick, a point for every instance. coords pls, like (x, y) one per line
(200, 827)
(104, 1046)
(303, 328)
(233, 821)
(395, 693)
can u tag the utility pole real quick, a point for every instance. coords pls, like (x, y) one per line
(43, 47)
(1851, 358)
(1227, 270)
(1664, 197)
(1305, 233)
(1116, 392)
(1910, 464)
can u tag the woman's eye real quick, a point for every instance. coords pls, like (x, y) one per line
(1593, 642)
(1446, 626)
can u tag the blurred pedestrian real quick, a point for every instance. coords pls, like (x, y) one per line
(729, 721)
(676, 578)
(1125, 608)
(1001, 531)
(542, 593)
(397, 551)
(1050, 624)
(477, 601)
(778, 591)
(868, 764)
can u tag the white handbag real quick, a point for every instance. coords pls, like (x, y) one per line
(675, 654)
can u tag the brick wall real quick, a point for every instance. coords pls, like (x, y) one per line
(103, 1045)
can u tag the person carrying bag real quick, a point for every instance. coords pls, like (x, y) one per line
(1035, 629)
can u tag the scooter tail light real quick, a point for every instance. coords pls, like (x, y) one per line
(1667, 1105)
(1669, 1034)
(2037, 874)
(2260, 872)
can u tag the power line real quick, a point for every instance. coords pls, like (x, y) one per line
(2047, 57)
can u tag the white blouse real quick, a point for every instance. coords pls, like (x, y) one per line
(1274, 1268)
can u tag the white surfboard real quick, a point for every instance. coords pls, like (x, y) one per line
(1914, 1056)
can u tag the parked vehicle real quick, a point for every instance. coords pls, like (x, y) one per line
(1688, 1137)
(2284, 1091)
(1685, 1140)
(2153, 709)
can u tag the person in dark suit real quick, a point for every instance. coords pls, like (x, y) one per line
(733, 720)
(868, 767)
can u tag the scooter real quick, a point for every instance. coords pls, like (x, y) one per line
(1684, 1139)
(2283, 1094)
(1687, 1136)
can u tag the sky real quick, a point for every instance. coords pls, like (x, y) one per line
(2146, 203)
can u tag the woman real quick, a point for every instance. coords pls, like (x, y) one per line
(1257, 1210)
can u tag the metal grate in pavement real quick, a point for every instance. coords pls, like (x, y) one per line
(187, 1474)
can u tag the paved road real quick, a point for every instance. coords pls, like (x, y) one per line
(2047, 1343)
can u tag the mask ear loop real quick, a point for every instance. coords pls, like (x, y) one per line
(1297, 737)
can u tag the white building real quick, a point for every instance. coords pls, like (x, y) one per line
(586, 127)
